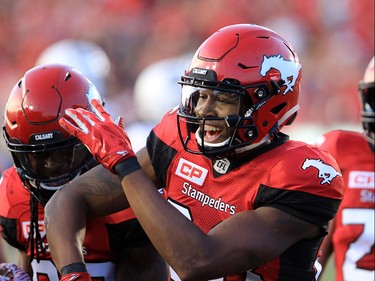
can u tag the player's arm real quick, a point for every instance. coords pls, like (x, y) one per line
(246, 240)
(14, 263)
(13, 255)
(2, 251)
(97, 192)
(327, 246)
(22, 260)
(141, 263)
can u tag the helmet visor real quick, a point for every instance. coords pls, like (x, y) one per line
(221, 102)
(54, 167)
(367, 91)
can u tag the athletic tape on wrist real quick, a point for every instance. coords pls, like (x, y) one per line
(73, 267)
(127, 167)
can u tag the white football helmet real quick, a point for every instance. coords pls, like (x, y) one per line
(85, 56)
(367, 97)
(156, 89)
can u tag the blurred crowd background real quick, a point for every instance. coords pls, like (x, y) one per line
(334, 40)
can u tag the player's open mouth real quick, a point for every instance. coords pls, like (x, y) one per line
(212, 133)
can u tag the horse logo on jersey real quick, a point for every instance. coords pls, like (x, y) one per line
(326, 172)
(289, 70)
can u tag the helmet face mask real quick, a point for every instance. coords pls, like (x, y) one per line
(250, 62)
(237, 122)
(45, 155)
(366, 90)
(51, 168)
(367, 97)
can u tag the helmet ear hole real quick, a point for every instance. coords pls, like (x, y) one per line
(278, 108)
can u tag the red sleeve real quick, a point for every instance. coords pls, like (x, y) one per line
(14, 206)
(305, 182)
(308, 169)
(4, 206)
(12, 192)
(162, 145)
(167, 129)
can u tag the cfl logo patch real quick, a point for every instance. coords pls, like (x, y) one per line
(191, 172)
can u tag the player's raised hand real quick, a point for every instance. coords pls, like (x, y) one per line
(106, 140)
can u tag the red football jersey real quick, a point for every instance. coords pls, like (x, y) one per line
(294, 177)
(15, 220)
(353, 234)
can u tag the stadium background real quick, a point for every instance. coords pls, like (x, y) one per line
(334, 40)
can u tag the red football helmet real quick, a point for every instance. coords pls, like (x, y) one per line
(367, 97)
(45, 155)
(256, 65)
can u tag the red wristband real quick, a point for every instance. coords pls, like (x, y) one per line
(76, 276)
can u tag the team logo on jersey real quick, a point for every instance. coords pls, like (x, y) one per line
(289, 70)
(361, 179)
(221, 165)
(191, 172)
(326, 172)
(26, 228)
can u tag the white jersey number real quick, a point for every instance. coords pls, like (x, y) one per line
(362, 246)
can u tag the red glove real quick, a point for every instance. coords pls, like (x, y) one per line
(9, 271)
(106, 140)
(76, 276)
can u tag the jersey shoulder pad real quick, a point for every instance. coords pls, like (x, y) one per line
(338, 141)
(307, 168)
(167, 130)
(12, 192)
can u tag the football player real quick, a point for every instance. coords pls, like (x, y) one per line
(244, 201)
(351, 236)
(46, 158)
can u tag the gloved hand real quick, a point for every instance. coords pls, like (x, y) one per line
(106, 140)
(9, 271)
(76, 276)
